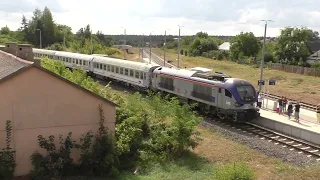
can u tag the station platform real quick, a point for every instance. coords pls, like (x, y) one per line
(307, 129)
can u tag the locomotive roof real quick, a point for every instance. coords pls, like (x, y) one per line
(125, 63)
(183, 73)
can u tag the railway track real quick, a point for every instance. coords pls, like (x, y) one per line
(300, 146)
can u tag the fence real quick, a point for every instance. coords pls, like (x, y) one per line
(295, 69)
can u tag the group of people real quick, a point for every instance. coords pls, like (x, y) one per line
(283, 108)
(288, 108)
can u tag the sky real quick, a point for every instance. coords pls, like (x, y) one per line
(216, 17)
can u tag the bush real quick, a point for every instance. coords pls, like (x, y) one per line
(234, 171)
(7, 162)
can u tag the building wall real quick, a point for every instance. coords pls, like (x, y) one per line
(38, 103)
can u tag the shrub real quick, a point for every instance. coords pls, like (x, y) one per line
(7, 162)
(234, 171)
(57, 163)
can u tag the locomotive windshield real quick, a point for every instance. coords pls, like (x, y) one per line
(246, 93)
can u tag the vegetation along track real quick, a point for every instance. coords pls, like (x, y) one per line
(300, 146)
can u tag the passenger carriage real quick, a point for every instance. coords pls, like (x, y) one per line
(133, 73)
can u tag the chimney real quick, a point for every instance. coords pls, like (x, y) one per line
(25, 52)
(11, 48)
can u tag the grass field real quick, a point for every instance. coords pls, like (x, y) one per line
(294, 86)
(216, 150)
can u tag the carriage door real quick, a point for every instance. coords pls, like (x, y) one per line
(220, 98)
(228, 99)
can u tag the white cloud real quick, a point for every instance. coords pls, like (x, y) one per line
(228, 17)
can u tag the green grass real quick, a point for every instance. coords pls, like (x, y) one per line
(191, 166)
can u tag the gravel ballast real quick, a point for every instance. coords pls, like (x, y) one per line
(262, 145)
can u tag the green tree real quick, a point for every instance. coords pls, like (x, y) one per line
(292, 47)
(5, 30)
(246, 44)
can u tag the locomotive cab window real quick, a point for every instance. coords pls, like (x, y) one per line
(227, 93)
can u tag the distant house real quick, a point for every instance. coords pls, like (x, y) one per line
(126, 48)
(39, 102)
(314, 58)
(224, 46)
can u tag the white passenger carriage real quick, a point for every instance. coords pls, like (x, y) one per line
(74, 60)
(133, 73)
(40, 53)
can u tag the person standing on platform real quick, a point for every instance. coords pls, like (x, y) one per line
(280, 101)
(297, 111)
(285, 101)
(318, 112)
(290, 110)
(259, 103)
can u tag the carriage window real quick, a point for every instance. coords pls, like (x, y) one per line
(72, 60)
(227, 93)
(137, 74)
(85, 63)
(108, 68)
(100, 66)
(131, 72)
(219, 90)
(126, 72)
(80, 62)
(112, 68)
(144, 76)
(121, 70)
(141, 75)
(104, 67)
(117, 70)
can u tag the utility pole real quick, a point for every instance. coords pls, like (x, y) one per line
(124, 42)
(40, 38)
(142, 44)
(165, 46)
(263, 51)
(179, 48)
(150, 48)
(91, 43)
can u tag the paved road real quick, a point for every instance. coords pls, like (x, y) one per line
(156, 59)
